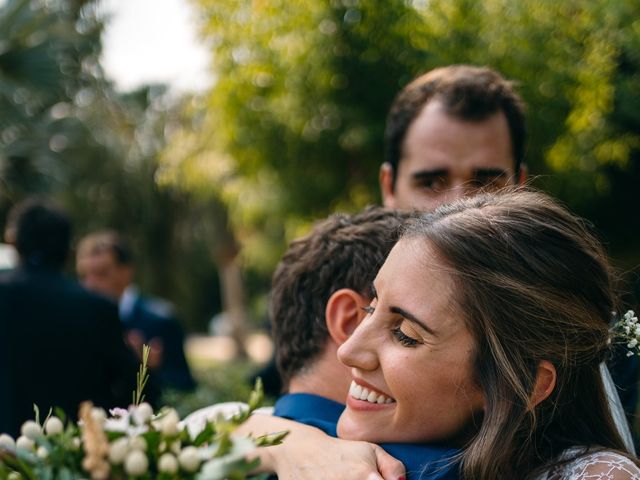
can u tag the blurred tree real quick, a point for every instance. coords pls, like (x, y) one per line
(579, 71)
(293, 127)
(47, 58)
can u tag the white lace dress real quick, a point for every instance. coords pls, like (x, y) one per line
(602, 465)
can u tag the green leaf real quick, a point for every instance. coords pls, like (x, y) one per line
(271, 439)
(256, 398)
(224, 445)
(205, 435)
(36, 412)
(153, 439)
(60, 414)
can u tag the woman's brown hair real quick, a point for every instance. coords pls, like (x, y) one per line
(533, 284)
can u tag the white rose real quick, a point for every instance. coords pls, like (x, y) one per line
(7, 442)
(136, 463)
(138, 443)
(169, 423)
(14, 476)
(42, 452)
(189, 459)
(25, 443)
(175, 446)
(142, 413)
(31, 429)
(118, 450)
(53, 426)
(168, 463)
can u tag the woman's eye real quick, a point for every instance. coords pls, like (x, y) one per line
(368, 309)
(404, 339)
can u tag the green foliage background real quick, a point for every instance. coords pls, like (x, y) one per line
(291, 129)
(297, 112)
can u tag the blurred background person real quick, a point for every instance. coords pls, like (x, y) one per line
(59, 343)
(105, 264)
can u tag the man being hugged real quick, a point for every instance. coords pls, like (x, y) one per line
(319, 294)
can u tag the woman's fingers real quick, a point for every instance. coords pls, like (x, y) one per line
(388, 466)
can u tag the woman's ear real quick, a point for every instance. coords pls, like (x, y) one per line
(545, 382)
(344, 313)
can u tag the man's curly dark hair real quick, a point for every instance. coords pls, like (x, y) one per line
(343, 251)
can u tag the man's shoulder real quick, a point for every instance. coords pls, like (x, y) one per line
(310, 409)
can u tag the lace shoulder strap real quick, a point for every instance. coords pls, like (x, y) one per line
(603, 465)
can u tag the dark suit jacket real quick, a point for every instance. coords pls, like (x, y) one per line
(153, 321)
(59, 345)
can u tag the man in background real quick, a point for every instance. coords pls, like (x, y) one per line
(319, 293)
(105, 264)
(59, 343)
(450, 133)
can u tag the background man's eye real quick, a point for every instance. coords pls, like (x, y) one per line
(436, 184)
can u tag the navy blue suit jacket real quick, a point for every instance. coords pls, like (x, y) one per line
(59, 345)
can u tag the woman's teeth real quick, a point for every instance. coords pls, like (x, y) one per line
(361, 393)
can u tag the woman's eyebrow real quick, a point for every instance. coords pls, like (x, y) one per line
(413, 318)
(372, 291)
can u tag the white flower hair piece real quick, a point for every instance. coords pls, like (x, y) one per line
(628, 328)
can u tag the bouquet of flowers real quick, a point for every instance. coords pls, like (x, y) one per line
(131, 443)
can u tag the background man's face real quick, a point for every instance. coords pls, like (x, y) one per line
(101, 273)
(445, 158)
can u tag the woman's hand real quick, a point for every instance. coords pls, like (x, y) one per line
(308, 453)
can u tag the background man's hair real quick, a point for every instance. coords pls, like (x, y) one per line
(106, 241)
(466, 92)
(343, 251)
(41, 232)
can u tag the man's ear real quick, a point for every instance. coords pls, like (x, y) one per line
(386, 185)
(523, 174)
(545, 382)
(344, 313)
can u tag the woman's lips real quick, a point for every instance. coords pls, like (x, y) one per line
(367, 394)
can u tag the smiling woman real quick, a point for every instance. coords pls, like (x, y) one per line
(487, 332)
(406, 334)
(490, 314)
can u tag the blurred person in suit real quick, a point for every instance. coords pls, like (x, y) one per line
(105, 264)
(59, 343)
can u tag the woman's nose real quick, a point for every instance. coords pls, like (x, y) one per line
(359, 351)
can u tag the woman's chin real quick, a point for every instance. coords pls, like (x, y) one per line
(351, 430)
(356, 426)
